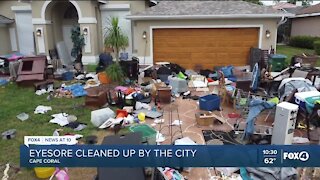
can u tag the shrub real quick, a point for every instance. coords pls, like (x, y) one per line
(317, 47)
(303, 41)
(115, 73)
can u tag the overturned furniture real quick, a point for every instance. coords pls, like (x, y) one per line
(96, 97)
(31, 69)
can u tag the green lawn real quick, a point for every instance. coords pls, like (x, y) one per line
(15, 100)
(291, 51)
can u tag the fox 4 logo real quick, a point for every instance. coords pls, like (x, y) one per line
(301, 156)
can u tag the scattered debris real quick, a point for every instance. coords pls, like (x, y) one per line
(42, 109)
(61, 119)
(176, 122)
(158, 121)
(23, 116)
(160, 137)
(3, 82)
(300, 140)
(9, 134)
(98, 117)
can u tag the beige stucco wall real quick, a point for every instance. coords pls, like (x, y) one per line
(5, 7)
(135, 6)
(5, 46)
(140, 26)
(309, 26)
(5, 10)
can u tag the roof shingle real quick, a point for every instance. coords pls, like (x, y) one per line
(310, 9)
(189, 8)
(5, 20)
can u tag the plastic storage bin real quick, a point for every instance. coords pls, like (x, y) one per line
(44, 172)
(178, 85)
(148, 133)
(278, 62)
(209, 102)
(98, 117)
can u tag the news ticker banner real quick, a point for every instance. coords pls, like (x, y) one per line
(68, 155)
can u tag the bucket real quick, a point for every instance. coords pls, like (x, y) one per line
(44, 172)
(142, 117)
(103, 78)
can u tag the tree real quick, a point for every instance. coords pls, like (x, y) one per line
(304, 2)
(254, 1)
(114, 37)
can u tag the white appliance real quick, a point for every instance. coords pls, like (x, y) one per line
(284, 123)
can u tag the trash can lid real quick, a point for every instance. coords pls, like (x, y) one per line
(277, 56)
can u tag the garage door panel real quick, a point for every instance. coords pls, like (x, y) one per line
(206, 38)
(209, 47)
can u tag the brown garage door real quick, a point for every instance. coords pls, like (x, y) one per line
(209, 47)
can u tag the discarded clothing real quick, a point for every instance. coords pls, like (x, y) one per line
(77, 126)
(121, 88)
(42, 109)
(61, 119)
(255, 107)
(40, 92)
(140, 105)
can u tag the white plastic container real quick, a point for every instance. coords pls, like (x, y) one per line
(301, 96)
(98, 117)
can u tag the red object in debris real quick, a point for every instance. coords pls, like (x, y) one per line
(69, 134)
(210, 80)
(233, 115)
(129, 91)
(121, 113)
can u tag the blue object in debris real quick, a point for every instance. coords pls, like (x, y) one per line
(209, 102)
(77, 90)
(3, 82)
(67, 76)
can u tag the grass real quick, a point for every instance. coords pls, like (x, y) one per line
(91, 68)
(291, 51)
(15, 100)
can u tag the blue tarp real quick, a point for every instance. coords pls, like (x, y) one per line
(77, 90)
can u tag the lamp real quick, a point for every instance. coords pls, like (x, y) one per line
(38, 32)
(144, 35)
(85, 31)
(268, 34)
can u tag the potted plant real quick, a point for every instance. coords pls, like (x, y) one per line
(78, 43)
(115, 73)
(115, 39)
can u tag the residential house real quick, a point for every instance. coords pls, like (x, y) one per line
(306, 22)
(186, 32)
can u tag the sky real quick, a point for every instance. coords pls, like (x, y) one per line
(271, 2)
